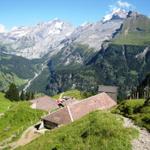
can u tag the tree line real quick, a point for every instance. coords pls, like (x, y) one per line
(143, 90)
(13, 94)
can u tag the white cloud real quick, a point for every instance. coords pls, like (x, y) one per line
(2, 28)
(123, 4)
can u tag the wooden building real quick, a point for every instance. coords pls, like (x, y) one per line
(112, 91)
(44, 103)
(78, 109)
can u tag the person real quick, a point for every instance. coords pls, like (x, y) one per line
(60, 103)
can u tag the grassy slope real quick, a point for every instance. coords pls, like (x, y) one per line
(135, 110)
(96, 131)
(17, 119)
(4, 103)
(72, 93)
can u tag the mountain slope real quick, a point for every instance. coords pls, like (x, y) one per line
(36, 41)
(116, 65)
(135, 30)
(95, 34)
(50, 37)
(112, 52)
(124, 65)
(16, 120)
(16, 69)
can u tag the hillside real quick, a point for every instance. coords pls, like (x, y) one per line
(4, 103)
(138, 110)
(121, 65)
(16, 69)
(73, 93)
(98, 130)
(16, 120)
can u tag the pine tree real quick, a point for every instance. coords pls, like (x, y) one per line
(12, 93)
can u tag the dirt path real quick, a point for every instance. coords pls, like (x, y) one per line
(28, 135)
(143, 142)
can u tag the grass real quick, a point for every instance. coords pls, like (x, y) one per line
(133, 39)
(4, 103)
(96, 131)
(73, 93)
(136, 110)
(17, 119)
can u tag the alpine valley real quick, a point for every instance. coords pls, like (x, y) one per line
(55, 56)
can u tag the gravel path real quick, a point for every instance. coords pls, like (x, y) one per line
(143, 142)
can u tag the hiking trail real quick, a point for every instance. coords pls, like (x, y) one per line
(143, 141)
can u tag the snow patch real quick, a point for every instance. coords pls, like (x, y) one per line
(116, 13)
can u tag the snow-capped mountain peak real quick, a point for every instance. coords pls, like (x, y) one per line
(50, 37)
(18, 32)
(116, 14)
(36, 41)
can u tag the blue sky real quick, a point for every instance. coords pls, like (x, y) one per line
(29, 12)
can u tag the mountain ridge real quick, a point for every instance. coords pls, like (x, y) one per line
(110, 61)
(36, 41)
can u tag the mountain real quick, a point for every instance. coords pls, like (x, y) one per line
(116, 14)
(50, 37)
(91, 37)
(35, 42)
(114, 51)
(116, 63)
(135, 30)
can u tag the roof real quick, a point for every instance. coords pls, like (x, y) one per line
(44, 103)
(100, 101)
(59, 117)
(107, 89)
(77, 110)
(70, 101)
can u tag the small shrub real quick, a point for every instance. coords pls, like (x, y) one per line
(130, 110)
(147, 102)
(138, 110)
(145, 109)
(146, 119)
